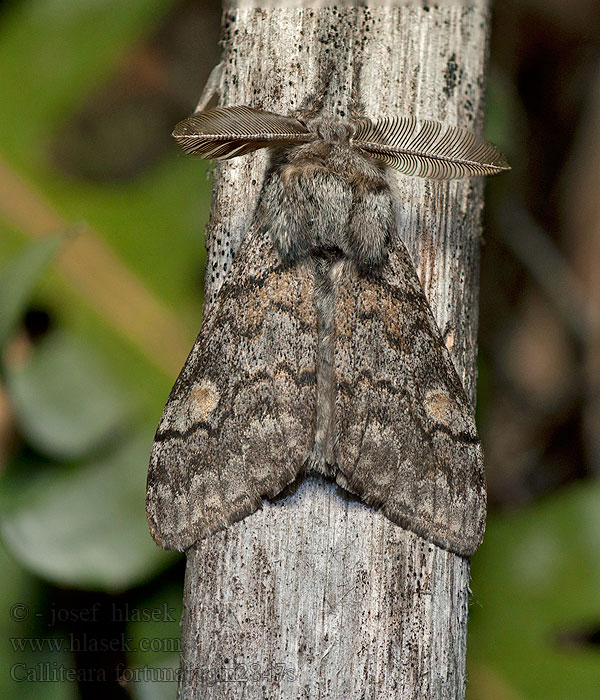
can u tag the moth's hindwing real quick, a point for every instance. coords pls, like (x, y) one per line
(239, 423)
(406, 435)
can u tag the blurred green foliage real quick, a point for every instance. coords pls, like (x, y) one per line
(17, 282)
(84, 401)
(536, 598)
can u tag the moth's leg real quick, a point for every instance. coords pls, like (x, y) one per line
(357, 108)
(370, 228)
(282, 212)
(212, 87)
(312, 105)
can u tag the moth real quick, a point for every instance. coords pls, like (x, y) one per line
(320, 352)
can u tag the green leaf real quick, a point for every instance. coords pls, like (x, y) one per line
(87, 528)
(66, 401)
(18, 279)
(536, 598)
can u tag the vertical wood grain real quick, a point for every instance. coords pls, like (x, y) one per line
(317, 595)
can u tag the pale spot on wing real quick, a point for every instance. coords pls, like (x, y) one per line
(440, 406)
(203, 400)
(181, 413)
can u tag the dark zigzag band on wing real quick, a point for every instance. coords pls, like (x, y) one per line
(385, 414)
(305, 378)
(406, 436)
(239, 423)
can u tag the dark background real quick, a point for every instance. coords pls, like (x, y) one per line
(97, 320)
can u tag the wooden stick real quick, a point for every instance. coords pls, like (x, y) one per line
(317, 595)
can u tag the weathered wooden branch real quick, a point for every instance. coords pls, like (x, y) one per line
(317, 595)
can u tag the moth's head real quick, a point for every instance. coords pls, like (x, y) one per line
(332, 131)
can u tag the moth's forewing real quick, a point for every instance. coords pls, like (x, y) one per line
(406, 434)
(239, 423)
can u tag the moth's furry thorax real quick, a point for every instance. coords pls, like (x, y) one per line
(326, 198)
(332, 151)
